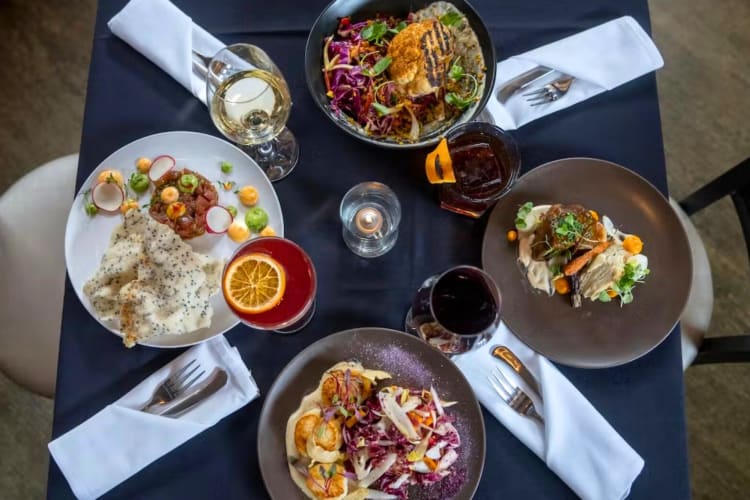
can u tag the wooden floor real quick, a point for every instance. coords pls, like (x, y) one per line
(705, 102)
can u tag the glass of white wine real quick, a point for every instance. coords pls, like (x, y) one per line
(249, 103)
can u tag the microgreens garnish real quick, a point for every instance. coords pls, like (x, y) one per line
(457, 71)
(632, 274)
(523, 211)
(375, 32)
(451, 18)
(378, 68)
(88, 206)
(399, 27)
(568, 228)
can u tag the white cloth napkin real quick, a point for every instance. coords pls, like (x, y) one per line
(167, 37)
(576, 442)
(120, 440)
(600, 58)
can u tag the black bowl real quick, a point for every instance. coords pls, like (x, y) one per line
(359, 10)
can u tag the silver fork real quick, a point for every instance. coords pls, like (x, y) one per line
(514, 396)
(550, 92)
(174, 386)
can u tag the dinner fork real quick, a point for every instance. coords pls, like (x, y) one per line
(174, 386)
(550, 92)
(514, 396)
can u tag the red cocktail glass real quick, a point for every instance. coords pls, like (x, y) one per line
(297, 305)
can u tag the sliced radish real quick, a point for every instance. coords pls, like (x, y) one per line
(160, 166)
(107, 196)
(218, 220)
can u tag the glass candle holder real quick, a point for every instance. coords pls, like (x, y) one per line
(370, 214)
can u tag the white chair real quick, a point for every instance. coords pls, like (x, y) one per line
(696, 318)
(33, 214)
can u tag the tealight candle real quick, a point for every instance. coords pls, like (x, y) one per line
(368, 220)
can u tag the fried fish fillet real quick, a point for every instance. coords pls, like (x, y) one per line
(421, 54)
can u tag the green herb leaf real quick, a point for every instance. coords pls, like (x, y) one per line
(378, 68)
(632, 274)
(457, 71)
(320, 430)
(90, 209)
(383, 110)
(399, 28)
(374, 32)
(335, 399)
(604, 297)
(331, 471)
(568, 227)
(451, 18)
(461, 103)
(344, 411)
(555, 270)
(523, 211)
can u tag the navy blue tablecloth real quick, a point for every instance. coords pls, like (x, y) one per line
(128, 98)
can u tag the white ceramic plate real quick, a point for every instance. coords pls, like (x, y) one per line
(86, 238)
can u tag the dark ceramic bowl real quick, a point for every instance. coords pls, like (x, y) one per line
(411, 363)
(596, 335)
(359, 10)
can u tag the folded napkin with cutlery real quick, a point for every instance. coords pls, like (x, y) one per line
(120, 440)
(575, 442)
(167, 37)
(600, 59)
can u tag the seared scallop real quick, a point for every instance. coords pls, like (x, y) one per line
(421, 54)
(336, 390)
(303, 429)
(327, 435)
(327, 481)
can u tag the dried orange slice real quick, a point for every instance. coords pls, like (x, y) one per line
(254, 283)
(439, 166)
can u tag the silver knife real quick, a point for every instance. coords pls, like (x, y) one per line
(506, 355)
(202, 392)
(522, 81)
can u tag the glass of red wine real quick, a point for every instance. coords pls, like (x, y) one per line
(456, 311)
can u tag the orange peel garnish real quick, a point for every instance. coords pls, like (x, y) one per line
(439, 166)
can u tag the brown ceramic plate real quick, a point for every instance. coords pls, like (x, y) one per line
(598, 334)
(411, 363)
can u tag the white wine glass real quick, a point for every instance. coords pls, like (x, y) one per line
(249, 102)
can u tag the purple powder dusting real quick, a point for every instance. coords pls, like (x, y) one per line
(447, 488)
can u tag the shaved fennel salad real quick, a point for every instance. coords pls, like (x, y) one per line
(404, 438)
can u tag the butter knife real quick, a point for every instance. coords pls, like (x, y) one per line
(506, 355)
(522, 81)
(202, 391)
